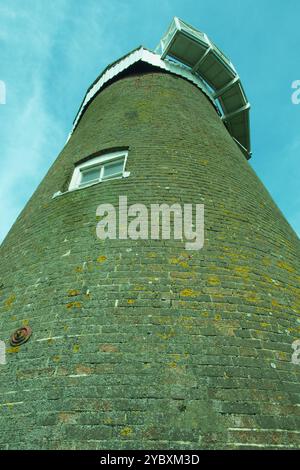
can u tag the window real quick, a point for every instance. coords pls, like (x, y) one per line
(101, 168)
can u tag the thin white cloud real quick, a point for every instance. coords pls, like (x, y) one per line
(28, 147)
(45, 50)
(28, 131)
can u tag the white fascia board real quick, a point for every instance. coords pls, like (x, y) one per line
(145, 56)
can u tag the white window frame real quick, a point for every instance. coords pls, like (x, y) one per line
(100, 160)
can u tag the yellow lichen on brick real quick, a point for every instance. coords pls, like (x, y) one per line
(251, 297)
(9, 405)
(73, 292)
(174, 260)
(183, 264)
(243, 271)
(13, 349)
(176, 357)
(74, 305)
(126, 432)
(107, 421)
(188, 293)
(179, 261)
(213, 280)
(8, 303)
(296, 308)
(166, 336)
(56, 358)
(265, 325)
(286, 266)
(172, 365)
(283, 356)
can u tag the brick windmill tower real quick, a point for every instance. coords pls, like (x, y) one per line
(126, 344)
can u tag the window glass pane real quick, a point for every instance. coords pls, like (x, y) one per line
(113, 169)
(90, 175)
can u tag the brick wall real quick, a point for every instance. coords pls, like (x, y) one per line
(141, 344)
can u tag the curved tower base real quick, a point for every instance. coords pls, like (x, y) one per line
(143, 344)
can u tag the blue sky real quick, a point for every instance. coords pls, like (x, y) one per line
(51, 51)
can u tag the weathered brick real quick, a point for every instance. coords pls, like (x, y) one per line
(135, 344)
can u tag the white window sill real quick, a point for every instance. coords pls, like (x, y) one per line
(59, 193)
